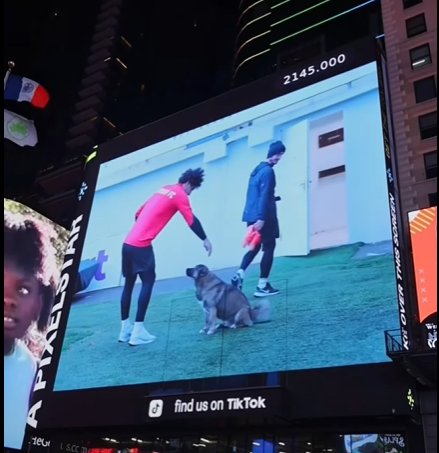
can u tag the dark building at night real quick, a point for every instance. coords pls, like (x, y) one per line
(115, 65)
(110, 66)
(146, 62)
(273, 34)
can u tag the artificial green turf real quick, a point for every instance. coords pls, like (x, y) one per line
(332, 311)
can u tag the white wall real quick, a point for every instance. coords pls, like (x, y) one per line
(228, 159)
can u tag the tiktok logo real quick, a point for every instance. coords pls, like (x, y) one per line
(155, 409)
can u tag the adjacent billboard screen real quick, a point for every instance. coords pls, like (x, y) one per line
(375, 443)
(33, 256)
(252, 234)
(423, 233)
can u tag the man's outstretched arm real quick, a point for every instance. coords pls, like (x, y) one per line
(193, 222)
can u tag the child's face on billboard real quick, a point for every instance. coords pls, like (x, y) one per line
(22, 303)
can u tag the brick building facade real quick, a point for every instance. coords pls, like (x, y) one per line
(410, 28)
(411, 43)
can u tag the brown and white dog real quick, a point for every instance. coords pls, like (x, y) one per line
(224, 302)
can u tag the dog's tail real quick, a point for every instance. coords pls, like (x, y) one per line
(261, 312)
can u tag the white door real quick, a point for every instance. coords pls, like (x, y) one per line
(328, 195)
(292, 187)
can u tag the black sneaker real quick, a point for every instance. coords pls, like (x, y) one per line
(237, 282)
(266, 291)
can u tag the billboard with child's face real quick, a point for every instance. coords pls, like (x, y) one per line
(33, 255)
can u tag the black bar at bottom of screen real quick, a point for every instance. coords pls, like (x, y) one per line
(271, 401)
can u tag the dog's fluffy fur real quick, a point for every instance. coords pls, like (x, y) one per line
(224, 302)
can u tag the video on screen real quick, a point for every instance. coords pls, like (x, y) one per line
(257, 243)
(34, 249)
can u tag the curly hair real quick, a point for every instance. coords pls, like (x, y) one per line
(194, 177)
(28, 245)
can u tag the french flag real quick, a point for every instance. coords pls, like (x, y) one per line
(21, 89)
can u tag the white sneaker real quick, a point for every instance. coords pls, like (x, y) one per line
(125, 333)
(141, 336)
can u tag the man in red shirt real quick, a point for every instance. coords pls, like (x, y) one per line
(138, 254)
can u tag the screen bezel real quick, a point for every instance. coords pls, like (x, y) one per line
(357, 54)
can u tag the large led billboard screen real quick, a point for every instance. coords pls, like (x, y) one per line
(256, 233)
(33, 256)
(423, 233)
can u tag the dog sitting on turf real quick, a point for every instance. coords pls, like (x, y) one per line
(224, 302)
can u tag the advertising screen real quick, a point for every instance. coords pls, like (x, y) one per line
(33, 256)
(423, 232)
(256, 233)
(310, 164)
(375, 443)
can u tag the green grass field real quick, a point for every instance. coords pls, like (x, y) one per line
(332, 312)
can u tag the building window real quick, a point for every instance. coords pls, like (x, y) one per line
(432, 199)
(430, 164)
(416, 25)
(428, 125)
(420, 56)
(410, 3)
(425, 89)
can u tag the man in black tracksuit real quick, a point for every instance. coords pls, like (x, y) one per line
(261, 213)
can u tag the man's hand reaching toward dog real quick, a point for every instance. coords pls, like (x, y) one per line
(207, 246)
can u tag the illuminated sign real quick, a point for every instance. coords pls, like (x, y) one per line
(321, 232)
(33, 255)
(52, 330)
(178, 293)
(393, 203)
(40, 442)
(423, 233)
(386, 443)
(309, 71)
(237, 403)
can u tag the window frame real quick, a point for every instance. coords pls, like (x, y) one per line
(428, 54)
(417, 85)
(421, 130)
(406, 4)
(430, 170)
(412, 31)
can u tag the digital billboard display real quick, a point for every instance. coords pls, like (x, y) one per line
(253, 234)
(375, 443)
(423, 233)
(33, 256)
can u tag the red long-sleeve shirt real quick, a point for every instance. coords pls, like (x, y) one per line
(156, 213)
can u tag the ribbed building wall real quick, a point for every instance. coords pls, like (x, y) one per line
(93, 86)
(415, 188)
(271, 34)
